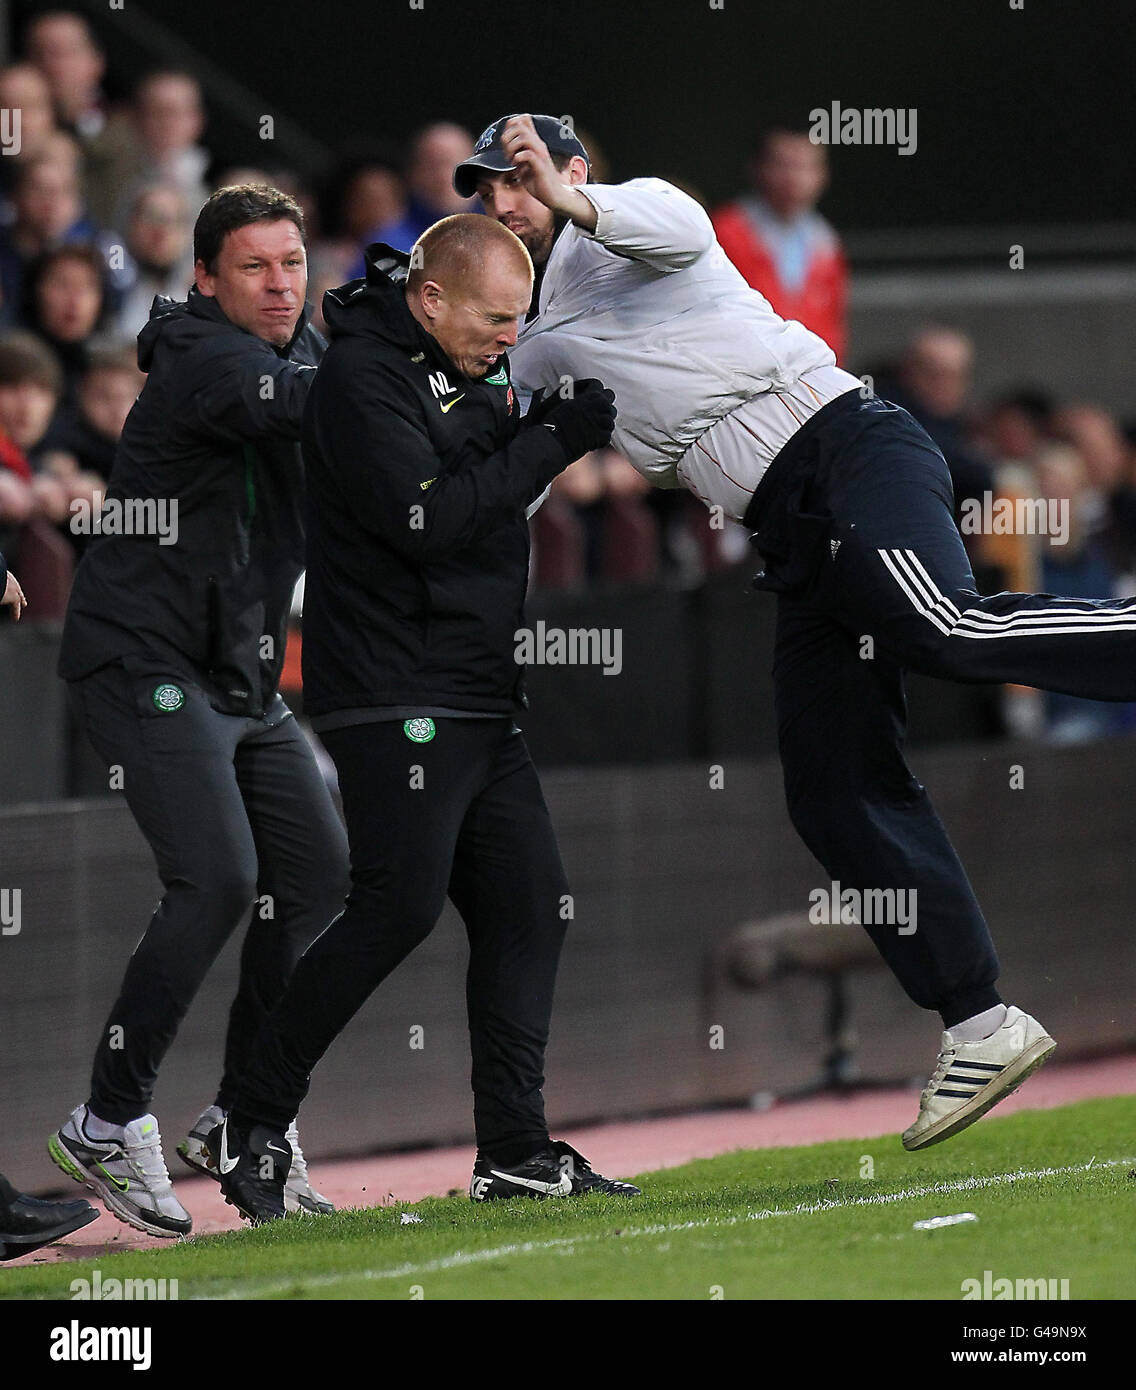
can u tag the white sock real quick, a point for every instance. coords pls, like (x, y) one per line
(979, 1026)
(101, 1129)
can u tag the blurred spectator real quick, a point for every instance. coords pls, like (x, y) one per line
(1015, 431)
(1079, 482)
(367, 193)
(61, 45)
(1081, 568)
(18, 502)
(1100, 442)
(30, 383)
(159, 249)
(24, 88)
(48, 213)
(781, 244)
(1017, 424)
(933, 383)
(17, 499)
(1098, 438)
(434, 152)
(38, 485)
(65, 303)
(89, 431)
(65, 150)
(169, 119)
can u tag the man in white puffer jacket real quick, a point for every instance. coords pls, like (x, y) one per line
(646, 290)
(852, 509)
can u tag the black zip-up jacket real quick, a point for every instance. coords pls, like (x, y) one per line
(418, 545)
(217, 428)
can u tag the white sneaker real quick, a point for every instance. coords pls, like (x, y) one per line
(299, 1194)
(192, 1150)
(128, 1173)
(972, 1077)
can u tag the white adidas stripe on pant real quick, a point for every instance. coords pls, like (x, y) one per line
(1073, 616)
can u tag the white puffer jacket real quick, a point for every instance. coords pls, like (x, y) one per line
(650, 304)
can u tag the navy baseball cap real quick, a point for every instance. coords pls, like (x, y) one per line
(557, 134)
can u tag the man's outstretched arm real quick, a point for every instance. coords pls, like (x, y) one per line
(647, 219)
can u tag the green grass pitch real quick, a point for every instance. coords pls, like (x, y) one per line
(1053, 1192)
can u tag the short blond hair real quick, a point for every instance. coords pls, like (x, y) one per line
(452, 251)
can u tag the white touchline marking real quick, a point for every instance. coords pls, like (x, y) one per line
(462, 1257)
(963, 1185)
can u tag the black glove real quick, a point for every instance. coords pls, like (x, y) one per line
(583, 422)
(538, 409)
(543, 402)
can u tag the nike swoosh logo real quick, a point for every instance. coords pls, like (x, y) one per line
(449, 405)
(562, 1188)
(121, 1183)
(226, 1163)
(276, 1149)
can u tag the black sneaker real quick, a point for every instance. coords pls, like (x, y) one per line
(557, 1171)
(26, 1223)
(252, 1167)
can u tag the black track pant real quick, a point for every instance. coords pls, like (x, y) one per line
(854, 520)
(463, 815)
(235, 810)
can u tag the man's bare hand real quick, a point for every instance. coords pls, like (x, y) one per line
(540, 175)
(13, 597)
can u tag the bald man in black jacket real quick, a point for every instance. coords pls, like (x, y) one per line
(420, 474)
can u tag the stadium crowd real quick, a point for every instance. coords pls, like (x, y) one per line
(97, 204)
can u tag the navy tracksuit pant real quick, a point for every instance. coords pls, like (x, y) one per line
(854, 521)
